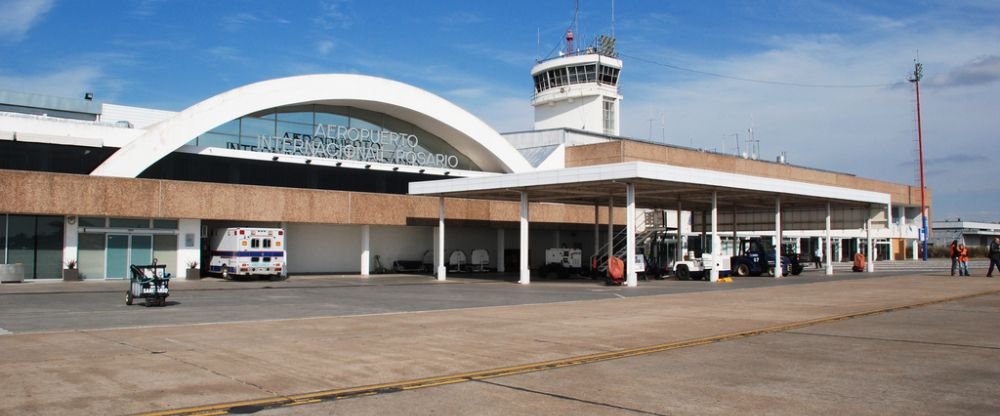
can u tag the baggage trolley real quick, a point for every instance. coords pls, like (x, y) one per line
(151, 283)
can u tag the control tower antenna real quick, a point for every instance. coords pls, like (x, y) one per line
(575, 26)
(612, 18)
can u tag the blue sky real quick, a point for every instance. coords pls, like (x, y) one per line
(172, 54)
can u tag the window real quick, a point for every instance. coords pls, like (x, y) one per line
(129, 223)
(255, 243)
(609, 116)
(267, 243)
(92, 222)
(165, 224)
(609, 75)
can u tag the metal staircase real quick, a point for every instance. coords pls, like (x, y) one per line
(648, 223)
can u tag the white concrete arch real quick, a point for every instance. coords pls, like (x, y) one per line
(464, 131)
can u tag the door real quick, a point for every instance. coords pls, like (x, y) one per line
(116, 256)
(123, 250)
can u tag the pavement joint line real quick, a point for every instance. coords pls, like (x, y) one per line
(908, 341)
(571, 398)
(392, 387)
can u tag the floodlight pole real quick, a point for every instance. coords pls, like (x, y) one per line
(918, 72)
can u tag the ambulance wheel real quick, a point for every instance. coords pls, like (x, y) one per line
(128, 297)
(770, 271)
(276, 278)
(225, 273)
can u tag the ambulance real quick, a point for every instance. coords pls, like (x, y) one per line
(248, 252)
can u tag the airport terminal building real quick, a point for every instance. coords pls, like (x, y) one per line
(364, 172)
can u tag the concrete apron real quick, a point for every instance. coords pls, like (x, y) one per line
(123, 371)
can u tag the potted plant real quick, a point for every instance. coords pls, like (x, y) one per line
(70, 273)
(193, 272)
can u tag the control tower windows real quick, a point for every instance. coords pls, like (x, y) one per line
(609, 75)
(558, 77)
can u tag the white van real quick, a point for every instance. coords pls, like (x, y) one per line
(248, 252)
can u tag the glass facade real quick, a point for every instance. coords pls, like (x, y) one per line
(336, 132)
(36, 242)
(107, 246)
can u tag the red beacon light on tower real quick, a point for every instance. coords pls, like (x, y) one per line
(569, 41)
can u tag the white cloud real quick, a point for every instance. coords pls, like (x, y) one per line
(332, 15)
(870, 132)
(324, 47)
(70, 82)
(19, 16)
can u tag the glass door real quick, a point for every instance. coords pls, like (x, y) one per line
(141, 252)
(123, 250)
(116, 256)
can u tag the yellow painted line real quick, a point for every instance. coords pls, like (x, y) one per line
(374, 389)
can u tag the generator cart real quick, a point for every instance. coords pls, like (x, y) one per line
(150, 283)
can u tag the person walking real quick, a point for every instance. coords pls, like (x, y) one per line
(994, 256)
(963, 260)
(818, 257)
(953, 253)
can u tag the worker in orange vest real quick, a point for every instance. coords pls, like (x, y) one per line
(963, 260)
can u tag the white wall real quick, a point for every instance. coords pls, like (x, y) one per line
(186, 254)
(584, 113)
(323, 248)
(400, 243)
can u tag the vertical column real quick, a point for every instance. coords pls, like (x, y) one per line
(597, 232)
(871, 247)
(523, 263)
(736, 240)
(902, 230)
(829, 244)
(892, 232)
(189, 246)
(631, 280)
(442, 269)
(611, 227)
(777, 237)
(366, 237)
(713, 276)
(500, 249)
(71, 238)
(680, 244)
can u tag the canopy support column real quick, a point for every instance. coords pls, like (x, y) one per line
(777, 238)
(680, 244)
(871, 246)
(442, 269)
(366, 242)
(713, 276)
(501, 245)
(829, 244)
(631, 279)
(523, 262)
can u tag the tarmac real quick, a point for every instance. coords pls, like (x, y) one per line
(199, 366)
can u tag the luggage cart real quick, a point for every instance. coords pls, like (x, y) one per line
(151, 283)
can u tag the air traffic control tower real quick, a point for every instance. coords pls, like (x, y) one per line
(579, 88)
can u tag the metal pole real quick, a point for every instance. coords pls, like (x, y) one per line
(918, 72)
